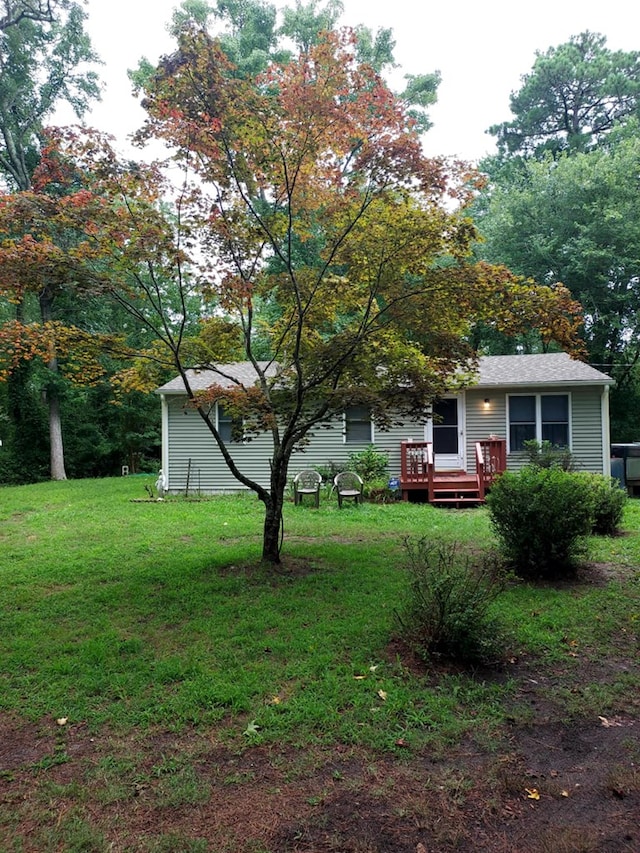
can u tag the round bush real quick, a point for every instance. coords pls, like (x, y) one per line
(446, 610)
(609, 500)
(542, 517)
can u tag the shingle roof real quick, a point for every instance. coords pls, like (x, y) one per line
(494, 370)
(243, 372)
(543, 369)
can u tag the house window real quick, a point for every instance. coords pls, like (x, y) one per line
(554, 411)
(522, 421)
(539, 417)
(358, 427)
(229, 428)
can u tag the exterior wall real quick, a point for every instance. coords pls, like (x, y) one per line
(588, 424)
(190, 451)
(587, 433)
(483, 421)
(327, 445)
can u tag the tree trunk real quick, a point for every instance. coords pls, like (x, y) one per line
(53, 401)
(55, 438)
(272, 532)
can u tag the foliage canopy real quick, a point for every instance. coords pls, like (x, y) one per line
(310, 227)
(574, 95)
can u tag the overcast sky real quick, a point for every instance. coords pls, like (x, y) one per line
(480, 48)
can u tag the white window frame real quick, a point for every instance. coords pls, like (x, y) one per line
(229, 440)
(538, 395)
(370, 440)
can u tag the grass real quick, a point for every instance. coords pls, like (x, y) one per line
(130, 617)
(130, 614)
(141, 614)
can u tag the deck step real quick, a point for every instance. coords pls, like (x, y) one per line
(465, 500)
(449, 488)
(453, 492)
(455, 496)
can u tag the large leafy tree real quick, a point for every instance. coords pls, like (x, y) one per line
(252, 36)
(560, 202)
(573, 96)
(62, 238)
(45, 58)
(308, 202)
(577, 220)
(318, 201)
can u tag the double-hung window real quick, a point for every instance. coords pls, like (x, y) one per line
(539, 417)
(358, 427)
(229, 428)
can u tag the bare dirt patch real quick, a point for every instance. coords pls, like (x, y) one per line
(554, 785)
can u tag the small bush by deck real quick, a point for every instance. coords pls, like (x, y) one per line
(542, 517)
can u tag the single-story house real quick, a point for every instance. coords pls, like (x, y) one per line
(514, 398)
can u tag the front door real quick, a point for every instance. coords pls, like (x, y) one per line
(446, 431)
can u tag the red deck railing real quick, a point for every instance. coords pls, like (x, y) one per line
(494, 457)
(416, 465)
(417, 469)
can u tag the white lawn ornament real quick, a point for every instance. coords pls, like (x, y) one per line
(161, 484)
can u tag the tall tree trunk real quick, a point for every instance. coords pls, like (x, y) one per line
(53, 399)
(55, 435)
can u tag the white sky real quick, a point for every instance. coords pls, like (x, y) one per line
(481, 49)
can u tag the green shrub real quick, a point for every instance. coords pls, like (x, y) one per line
(370, 464)
(542, 517)
(328, 471)
(379, 491)
(547, 455)
(609, 500)
(446, 610)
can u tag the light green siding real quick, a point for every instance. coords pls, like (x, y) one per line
(328, 445)
(191, 451)
(586, 430)
(585, 414)
(483, 421)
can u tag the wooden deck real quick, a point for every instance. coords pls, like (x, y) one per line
(418, 473)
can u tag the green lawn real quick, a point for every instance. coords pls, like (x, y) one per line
(127, 613)
(160, 690)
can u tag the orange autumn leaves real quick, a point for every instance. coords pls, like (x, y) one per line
(20, 342)
(312, 196)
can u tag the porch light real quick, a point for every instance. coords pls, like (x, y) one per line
(487, 402)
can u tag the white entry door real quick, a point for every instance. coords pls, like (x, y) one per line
(446, 431)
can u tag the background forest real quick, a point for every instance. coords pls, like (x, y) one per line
(558, 203)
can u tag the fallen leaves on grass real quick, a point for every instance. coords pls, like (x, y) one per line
(607, 723)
